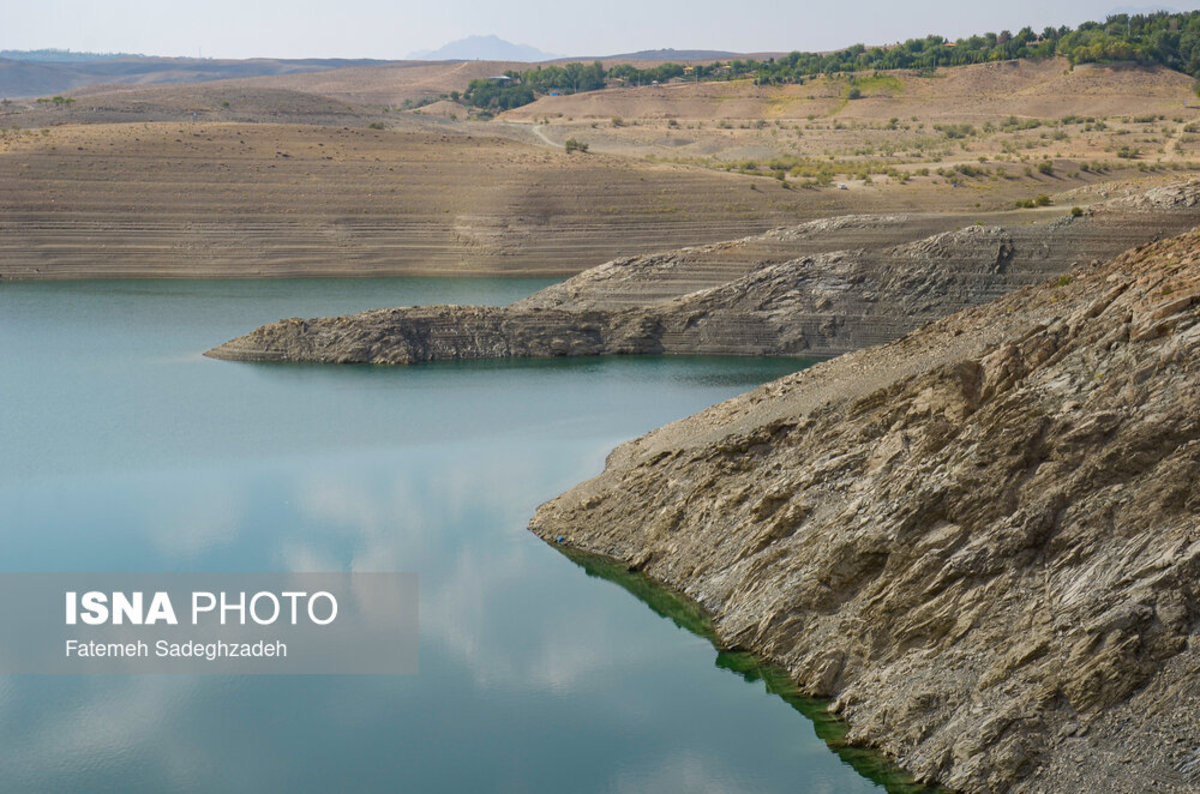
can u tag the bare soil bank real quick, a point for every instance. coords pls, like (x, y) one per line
(231, 200)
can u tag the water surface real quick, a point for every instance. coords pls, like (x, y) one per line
(125, 449)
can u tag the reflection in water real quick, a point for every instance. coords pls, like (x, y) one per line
(201, 518)
(127, 451)
(687, 614)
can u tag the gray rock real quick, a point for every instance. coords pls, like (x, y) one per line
(794, 291)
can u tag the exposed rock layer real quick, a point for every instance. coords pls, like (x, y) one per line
(982, 539)
(792, 291)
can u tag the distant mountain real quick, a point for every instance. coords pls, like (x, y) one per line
(64, 56)
(483, 48)
(40, 76)
(675, 55)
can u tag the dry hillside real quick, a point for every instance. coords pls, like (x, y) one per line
(194, 200)
(999, 119)
(979, 93)
(321, 173)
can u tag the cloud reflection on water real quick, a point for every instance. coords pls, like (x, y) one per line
(135, 455)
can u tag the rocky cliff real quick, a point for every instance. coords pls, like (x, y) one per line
(817, 289)
(982, 539)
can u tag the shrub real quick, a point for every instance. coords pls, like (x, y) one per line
(955, 130)
(575, 146)
(1076, 212)
(1046, 167)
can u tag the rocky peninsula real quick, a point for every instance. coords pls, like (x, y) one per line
(818, 289)
(982, 539)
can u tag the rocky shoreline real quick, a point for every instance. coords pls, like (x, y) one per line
(792, 291)
(982, 539)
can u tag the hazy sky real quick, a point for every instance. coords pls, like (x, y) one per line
(393, 28)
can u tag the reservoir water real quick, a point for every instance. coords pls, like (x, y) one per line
(126, 450)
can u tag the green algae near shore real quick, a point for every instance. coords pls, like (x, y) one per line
(690, 616)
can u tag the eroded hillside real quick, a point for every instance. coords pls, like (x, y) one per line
(195, 200)
(983, 540)
(790, 291)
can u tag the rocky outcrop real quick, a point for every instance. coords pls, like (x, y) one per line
(792, 291)
(982, 539)
(439, 333)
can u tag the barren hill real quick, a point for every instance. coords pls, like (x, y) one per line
(393, 83)
(31, 78)
(215, 199)
(320, 173)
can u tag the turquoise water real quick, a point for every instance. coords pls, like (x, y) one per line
(126, 450)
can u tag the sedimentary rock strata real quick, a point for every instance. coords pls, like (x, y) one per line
(983, 539)
(792, 291)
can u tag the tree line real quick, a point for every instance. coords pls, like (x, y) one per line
(1168, 39)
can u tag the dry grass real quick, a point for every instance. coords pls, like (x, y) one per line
(986, 127)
